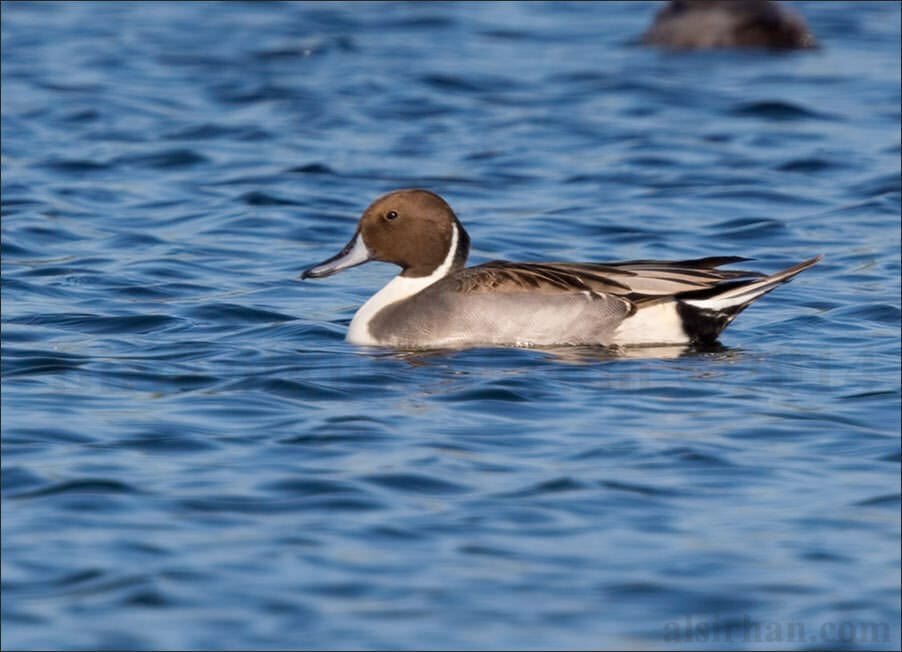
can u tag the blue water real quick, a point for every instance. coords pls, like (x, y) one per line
(194, 458)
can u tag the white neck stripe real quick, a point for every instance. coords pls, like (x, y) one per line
(442, 270)
(398, 289)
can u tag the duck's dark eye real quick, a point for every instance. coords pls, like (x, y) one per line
(390, 215)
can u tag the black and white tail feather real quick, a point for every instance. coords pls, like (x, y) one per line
(706, 313)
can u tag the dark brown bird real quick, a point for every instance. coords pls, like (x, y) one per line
(705, 24)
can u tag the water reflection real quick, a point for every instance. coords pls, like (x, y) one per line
(587, 354)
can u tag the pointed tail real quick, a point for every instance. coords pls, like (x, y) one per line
(705, 314)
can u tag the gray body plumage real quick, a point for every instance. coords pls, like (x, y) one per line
(542, 304)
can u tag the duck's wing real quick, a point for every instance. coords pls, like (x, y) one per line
(550, 278)
(655, 278)
(632, 280)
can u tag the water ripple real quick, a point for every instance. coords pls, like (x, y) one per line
(777, 110)
(87, 486)
(415, 483)
(195, 458)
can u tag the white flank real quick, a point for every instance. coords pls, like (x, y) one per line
(656, 324)
(398, 289)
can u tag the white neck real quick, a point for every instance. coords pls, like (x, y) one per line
(397, 289)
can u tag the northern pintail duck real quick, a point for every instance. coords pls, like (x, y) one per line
(436, 302)
(702, 24)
